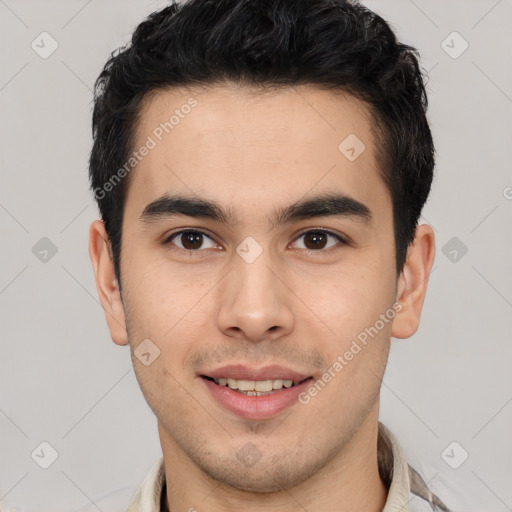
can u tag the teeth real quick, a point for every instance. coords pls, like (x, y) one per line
(247, 385)
(254, 393)
(261, 385)
(258, 385)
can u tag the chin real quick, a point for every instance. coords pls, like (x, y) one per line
(264, 476)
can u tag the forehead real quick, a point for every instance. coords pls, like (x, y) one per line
(307, 112)
(226, 139)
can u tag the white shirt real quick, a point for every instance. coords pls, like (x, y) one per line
(407, 491)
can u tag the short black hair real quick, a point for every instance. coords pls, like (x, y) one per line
(333, 44)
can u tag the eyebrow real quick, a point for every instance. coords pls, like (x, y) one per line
(323, 205)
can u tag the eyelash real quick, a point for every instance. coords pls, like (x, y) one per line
(176, 234)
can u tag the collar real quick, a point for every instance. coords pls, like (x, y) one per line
(404, 482)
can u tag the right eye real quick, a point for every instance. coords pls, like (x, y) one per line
(190, 240)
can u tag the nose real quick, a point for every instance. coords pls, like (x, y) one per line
(256, 302)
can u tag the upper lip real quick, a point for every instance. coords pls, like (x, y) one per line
(241, 372)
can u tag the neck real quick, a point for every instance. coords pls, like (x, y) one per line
(348, 482)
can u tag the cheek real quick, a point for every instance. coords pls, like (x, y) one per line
(349, 299)
(162, 298)
(161, 387)
(356, 309)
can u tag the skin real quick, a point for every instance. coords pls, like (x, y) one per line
(252, 151)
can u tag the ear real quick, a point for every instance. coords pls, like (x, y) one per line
(413, 281)
(106, 282)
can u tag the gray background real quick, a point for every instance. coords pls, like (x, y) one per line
(63, 381)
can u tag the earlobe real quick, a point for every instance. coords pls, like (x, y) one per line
(413, 281)
(106, 282)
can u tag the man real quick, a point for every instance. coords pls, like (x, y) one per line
(260, 167)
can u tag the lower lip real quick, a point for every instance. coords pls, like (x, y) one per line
(256, 407)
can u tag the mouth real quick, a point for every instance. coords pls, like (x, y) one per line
(255, 393)
(255, 387)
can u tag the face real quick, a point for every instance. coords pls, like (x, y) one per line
(255, 249)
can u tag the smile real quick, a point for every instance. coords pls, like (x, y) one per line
(255, 399)
(254, 387)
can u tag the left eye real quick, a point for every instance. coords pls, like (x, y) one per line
(315, 240)
(194, 240)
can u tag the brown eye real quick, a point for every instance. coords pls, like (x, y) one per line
(190, 240)
(319, 239)
(315, 240)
